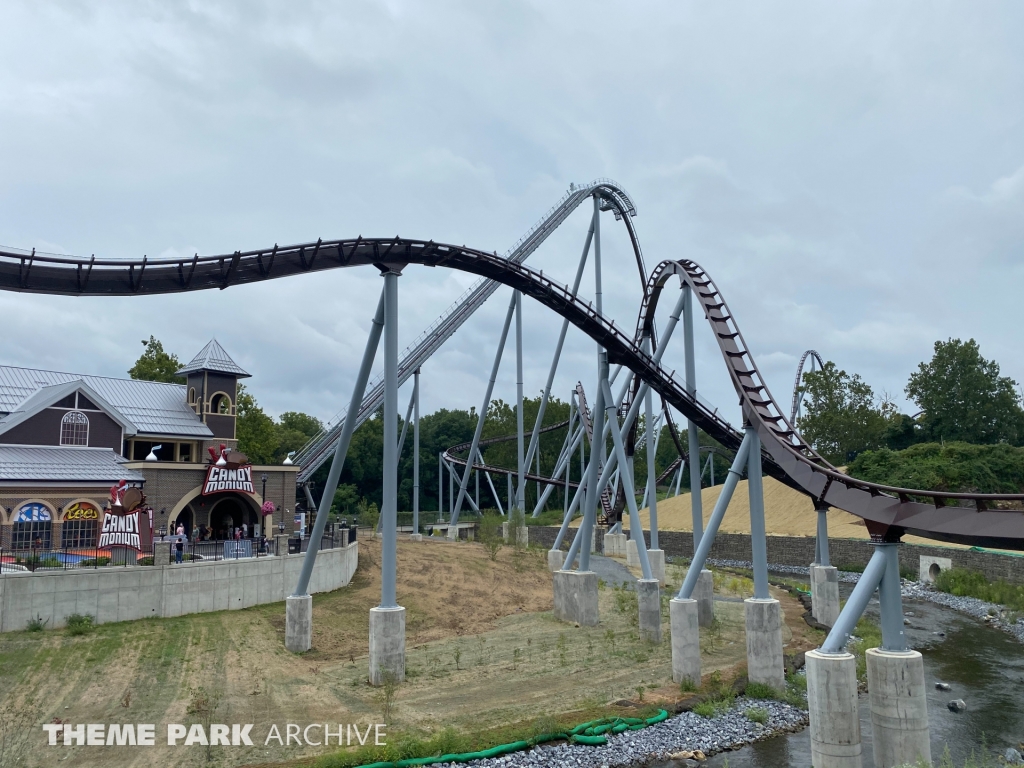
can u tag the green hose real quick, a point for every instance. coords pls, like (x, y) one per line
(585, 733)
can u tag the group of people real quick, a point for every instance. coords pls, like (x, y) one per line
(202, 533)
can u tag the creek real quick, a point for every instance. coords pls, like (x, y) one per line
(984, 666)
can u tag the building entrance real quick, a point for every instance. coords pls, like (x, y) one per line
(230, 513)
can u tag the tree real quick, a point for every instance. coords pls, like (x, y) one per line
(841, 417)
(256, 432)
(294, 430)
(156, 365)
(964, 398)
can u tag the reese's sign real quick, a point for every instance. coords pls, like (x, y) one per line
(222, 479)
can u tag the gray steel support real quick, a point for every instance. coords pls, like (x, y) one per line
(652, 491)
(558, 353)
(696, 503)
(598, 293)
(340, 451)
(440, 486)
(389, 505)
(700, 555)
(483, 416)
(890, 601)
(520, 426)
(416, 454)
(856, 603)
(405, 424)
(821, 555)
(586, 530)
(490, 483)
(679, 480)
(758, 536)
(636, 530)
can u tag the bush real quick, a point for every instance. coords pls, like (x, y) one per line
(761, 691)
(757, 715)
(79, 624)
(38, 624)
(489, 534)
(712, 708)
(964, 583)
(94, 562)
(955, 467)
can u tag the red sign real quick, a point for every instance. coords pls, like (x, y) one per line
(225, 479)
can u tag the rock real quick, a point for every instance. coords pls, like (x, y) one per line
(957, 705)
(684, 755)
(698, 755)
(943, 687)
(1013, 757)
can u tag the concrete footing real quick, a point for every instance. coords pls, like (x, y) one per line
(657, 559)
(615, 544)
(632, 554)
(387, 644)
(649, 599)
(704, 594)
(685, 636)
(832, 703)
(899, 707)
(764, 643)
(298, 623)
(415, 537)
(576, 597)
(556, 559)
(524, 534)
(825, 594)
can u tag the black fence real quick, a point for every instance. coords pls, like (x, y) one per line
(229, 549)
(67, 558)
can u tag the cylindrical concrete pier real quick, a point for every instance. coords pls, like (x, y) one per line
(764, 642)
(632, 555)
(656, 557)
(899, 707)
(704, 594)
(556, 559)
(832, 704)
(825, 594)
(649, 599)
(387, 644)
(298, 623)
(685, 636)
(576, 597)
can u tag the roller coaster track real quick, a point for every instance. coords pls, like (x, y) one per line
(313, 455)
(888, 512)
(798, 393)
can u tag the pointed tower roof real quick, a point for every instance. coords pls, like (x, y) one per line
(212, 357)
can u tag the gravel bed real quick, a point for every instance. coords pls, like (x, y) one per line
(684, 732)
(992, 614)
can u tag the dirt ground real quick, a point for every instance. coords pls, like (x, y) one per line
(483, 649)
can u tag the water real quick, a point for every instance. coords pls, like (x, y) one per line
(985, 666)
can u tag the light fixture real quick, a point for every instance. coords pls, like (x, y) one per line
(152, 453)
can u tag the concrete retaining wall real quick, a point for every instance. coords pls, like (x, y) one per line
(799, 550)
(123, 594)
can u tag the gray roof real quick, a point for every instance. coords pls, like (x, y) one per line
(41, 462)
(46, 396)
(153, 407)
(212, 357)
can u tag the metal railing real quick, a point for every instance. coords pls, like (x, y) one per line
(67, 558)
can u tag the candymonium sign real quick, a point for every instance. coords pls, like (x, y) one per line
(220, 479)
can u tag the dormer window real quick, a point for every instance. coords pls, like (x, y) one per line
(74, 428)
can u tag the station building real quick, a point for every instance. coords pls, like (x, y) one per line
(66, 438)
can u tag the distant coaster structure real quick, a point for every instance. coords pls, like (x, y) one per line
(767, 442)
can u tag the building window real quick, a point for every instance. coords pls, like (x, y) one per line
(184, 452)
(74, 429)
(80, 522)
(191, 395)
(31, 529)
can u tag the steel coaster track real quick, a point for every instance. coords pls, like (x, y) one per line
(889, 512)
(321, 447)
(797, 392)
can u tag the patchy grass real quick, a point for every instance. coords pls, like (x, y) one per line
(965, 583)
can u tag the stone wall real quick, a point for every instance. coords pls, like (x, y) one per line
(799, 550)
(122, 594)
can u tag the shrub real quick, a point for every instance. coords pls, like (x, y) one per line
(713, 707)
(964, 583)
(489, 534)
(94, 562)
(38, 624)
(757, 715)
(687, 685)
(79, 624)
(761, 691)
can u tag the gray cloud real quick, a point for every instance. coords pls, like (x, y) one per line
(850, 175)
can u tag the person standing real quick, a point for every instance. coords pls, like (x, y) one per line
(179, 548)
(245, 530)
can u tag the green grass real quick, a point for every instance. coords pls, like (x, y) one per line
(79, 624)
(757, 715)
(964, 583)
(869, 635)
(761, 691)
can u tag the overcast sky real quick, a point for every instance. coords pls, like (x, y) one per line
(851, 174)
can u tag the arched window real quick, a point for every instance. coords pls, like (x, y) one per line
(31, 528)
(191, 395)
(74, 429)
(221, 404)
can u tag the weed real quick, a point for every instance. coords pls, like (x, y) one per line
(761, 691)
(712, 708)
(79, 624)
(202, 706)
(563, 648)
(640, 692)
(18, 726)
(38, 624)
(489, 534)
(517, 654)
(964, 583)
(458, 656)
(687, 685)
(757, 715)
(386, 694)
